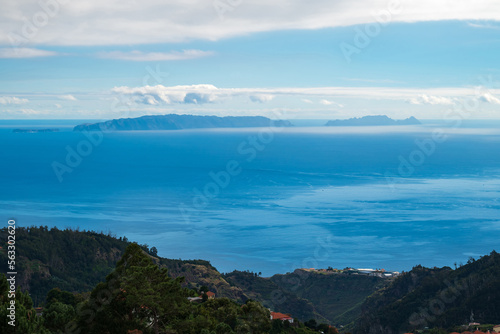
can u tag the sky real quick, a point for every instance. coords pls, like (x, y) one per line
(323, 59)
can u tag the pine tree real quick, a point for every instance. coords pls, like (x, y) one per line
(26, 320)
(136, 295)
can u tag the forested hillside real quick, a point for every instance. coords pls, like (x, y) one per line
(76, 261)
(271, 295)
(335, 298)
(139, 297)
(439, 297)
(65, 259)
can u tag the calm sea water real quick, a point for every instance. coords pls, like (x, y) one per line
(297, 197)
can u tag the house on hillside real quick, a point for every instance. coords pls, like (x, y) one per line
(391, 273)
(199, 299)
(281, 316)
(496, 329)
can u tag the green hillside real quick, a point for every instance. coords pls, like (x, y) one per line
(69, 260)
(336, 297)
(272, 295)
(139, 297)
(439, 297)
(78, 260)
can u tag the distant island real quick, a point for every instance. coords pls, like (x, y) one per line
(34, 130)
(179, 122)
(373, 121)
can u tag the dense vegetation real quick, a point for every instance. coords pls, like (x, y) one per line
(76, 261)
(272, 295)
(336, 297)
(332, 298)
(102, 284)
(440, 298)
(21, 313)
(69, 260)
(140, 297)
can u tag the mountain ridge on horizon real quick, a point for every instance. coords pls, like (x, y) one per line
(373, 120)
(179, 122)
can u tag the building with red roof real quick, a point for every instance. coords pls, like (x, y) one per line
(281, 316)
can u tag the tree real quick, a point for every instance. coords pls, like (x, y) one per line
(65, 297)
(277, 327)
(136, 295)
(223, 328)
(256, 318)
(153, 251)
(152, 294)
(58, 315)
(327, 329)
(312, 324)
(26, 320)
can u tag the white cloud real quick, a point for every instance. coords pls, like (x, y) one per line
(307, 101)
(483, 25)
(261, 98)
(429, 99)
(67, 97)
(12, 100)
(22, 112)
(25, 53)
(329, 103)
(154, 95)
(30, 112)
(206, 93)
(155, 56)
(372, 80)
(488, 98)
(158, 21)
(191, 94)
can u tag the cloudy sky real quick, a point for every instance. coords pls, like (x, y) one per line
(320, 59)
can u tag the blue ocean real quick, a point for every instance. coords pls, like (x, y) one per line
(266, 199)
